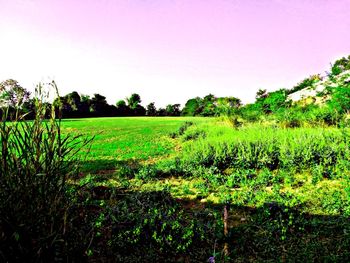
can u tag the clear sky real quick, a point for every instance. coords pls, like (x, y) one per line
(168, 50)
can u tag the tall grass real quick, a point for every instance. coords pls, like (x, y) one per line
(36, 161)
(266, 147)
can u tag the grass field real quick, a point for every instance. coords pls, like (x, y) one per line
(125, 139)
(288, 189)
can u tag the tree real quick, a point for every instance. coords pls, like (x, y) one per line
(120, 103)
(227, 105)
(151, 109)
(261, 94)
(340, 65)
(122, 108)
(161, 112)
(172, 110)
(208, 106)
(275, 101)
(99, 106)
(12, 94)
(134, 104)
(134, 100)
(74, 100)
(177, 110)
(61, 103)
(85, 103)
(192, 107)
(139, 111)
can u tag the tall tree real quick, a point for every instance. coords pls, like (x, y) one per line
(99, 105)
(134, 100)
(192, 107)
(134, 103)
(122, 108)
(74, 100)
(151, 109)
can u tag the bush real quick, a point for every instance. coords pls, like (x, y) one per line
(35, 210)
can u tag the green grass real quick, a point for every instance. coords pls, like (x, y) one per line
(250, 166)
(126, 139)
(288, 188)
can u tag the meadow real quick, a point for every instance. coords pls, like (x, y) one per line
(170, 180)
(173, 189)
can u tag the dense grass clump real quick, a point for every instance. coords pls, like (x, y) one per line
(36, 213)
(257, 148)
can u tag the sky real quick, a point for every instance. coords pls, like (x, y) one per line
(169, 51)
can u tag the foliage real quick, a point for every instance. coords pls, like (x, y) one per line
(307, 82)
(340, 100)
(227, 106)
(191, 107)
(272, 102)
(276, 180)
(172, 110)
(155, 220)
(134, 100)
(151, 109)
(12, 94)
(340, 66)
(211, 106)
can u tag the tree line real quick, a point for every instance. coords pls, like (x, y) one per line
(75, 105)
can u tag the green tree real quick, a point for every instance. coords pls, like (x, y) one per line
(161, 112)
(134, 100)
(122, 108)
(227, 105)
(192, 107)
(261, 94)
(74, 100)
(151, 109)
(172, 110)
(208, 107)
(272, 101)
(275, 101)
(340, 65)
(99, 106)
(139, 110)
(134, 104)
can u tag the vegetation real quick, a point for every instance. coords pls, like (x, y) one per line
(266, 181)
(37, 217)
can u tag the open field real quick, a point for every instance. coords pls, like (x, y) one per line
(287, 190)
(126, 139)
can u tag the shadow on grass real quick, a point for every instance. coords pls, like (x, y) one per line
(101, 167)
(273, 233)
(123, 225)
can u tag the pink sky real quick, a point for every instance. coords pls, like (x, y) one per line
(170, 51)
